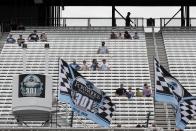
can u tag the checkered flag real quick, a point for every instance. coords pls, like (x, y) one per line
(65, 77)
(84, 98)
(106, 111)
(169, 90)
(163, 90)
(185, 112)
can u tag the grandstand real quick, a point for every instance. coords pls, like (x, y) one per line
(128, 60)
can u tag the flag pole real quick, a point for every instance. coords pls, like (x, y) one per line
(24, 48)
(57, 93)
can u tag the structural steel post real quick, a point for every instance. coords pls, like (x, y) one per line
(113, 17)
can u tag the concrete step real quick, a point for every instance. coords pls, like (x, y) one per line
(160, 112)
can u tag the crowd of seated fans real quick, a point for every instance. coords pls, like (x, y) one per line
(95, 66)
(33, 37)
(144, 92)
(127, 35)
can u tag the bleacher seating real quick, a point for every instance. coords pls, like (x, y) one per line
(181, 53)
(127, 58)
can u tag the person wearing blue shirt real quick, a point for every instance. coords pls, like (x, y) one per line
(74, 65)
(10, 39)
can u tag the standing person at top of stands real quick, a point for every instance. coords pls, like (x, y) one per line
(104, 66)
(121, 91)
(113, 35)
(84, 67)
(127, 19)
(10, 39)
(74, 65)
(43, 37)
(135, 36)
(127, 35)
(103, 49)
(20, 40)
(33, 37)
(95, 65)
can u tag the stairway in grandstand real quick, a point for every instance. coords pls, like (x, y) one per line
(128, 60)
(181, 52)
(161, 118)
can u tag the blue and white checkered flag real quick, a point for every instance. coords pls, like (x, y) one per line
(169, 90)
(83, 97)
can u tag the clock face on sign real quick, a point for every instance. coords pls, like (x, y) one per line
(31, 86)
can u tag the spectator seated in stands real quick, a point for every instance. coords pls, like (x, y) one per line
(127, 35)
(74, 65)
(136, 36)
(43, 37)
(120, 35)
(95, 65)
(103, 49)
(20, 40)
(121, 91)
(138, 93)
(146, 90)
(33, 37)
(104, 66)
(113, 36)
(10, 39)
(138, 126)
(130, 93)
(84, 67)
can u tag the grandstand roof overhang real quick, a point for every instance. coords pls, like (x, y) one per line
(101, 2)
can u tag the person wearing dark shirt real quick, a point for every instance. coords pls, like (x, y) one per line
(127, 35)
(20, 40)
(95, 65)
(113, 36)
(121, 91)
(33, 37)
(127, 19)
(10, 39)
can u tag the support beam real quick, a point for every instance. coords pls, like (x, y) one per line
(182, 17)
(187, 16)
(113, 17)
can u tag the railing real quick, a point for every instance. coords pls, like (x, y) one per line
(138, 22)
(95, 22)
(175, 22)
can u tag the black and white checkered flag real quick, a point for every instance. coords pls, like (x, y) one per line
(84, 98)
(185, 112)
(169, 90)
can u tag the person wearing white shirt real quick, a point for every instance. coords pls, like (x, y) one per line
(103, 49)
(84, 67)
(104, 66)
